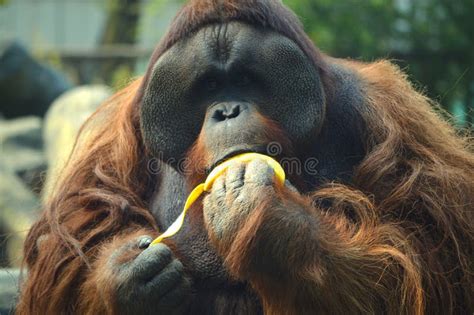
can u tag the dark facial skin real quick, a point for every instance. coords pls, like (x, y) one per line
(216, 80)
(217, 85)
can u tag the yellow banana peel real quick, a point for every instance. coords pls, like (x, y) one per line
(207, 185)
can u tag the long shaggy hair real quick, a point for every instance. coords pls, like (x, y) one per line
(399, 239)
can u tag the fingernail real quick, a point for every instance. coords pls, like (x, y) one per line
(144, 242)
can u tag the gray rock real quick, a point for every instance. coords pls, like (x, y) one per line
(21, 164)
(27, 87)
(18, 209)
(9, 279)
(62, 123)
(22, 150)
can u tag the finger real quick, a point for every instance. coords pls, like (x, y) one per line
(144, 241)
(169, 278)
(218, 192)
(151, 261)
(234, 177)
(259, 172)
(175, 298)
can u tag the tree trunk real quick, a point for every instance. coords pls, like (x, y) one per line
(120, 28)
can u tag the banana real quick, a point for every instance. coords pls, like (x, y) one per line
(207, 185)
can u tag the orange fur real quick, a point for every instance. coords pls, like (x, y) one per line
(400, 239)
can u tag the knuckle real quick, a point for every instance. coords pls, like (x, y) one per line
(162, 249)
(257, 164)
(177, 265)
(235, 182)
(144, 241)
(218, 183)
(261, 178)
(153, 257)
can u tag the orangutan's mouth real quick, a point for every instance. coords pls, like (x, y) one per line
(236, 150)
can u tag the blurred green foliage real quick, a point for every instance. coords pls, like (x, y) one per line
(433, 40)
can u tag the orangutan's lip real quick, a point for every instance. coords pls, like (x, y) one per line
(236, 151)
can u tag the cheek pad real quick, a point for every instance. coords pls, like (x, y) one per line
(170, 118)
(295, 96)
(297, 102)
(169, 125)
(303, 111)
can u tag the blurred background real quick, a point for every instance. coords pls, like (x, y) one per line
(59, 59)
